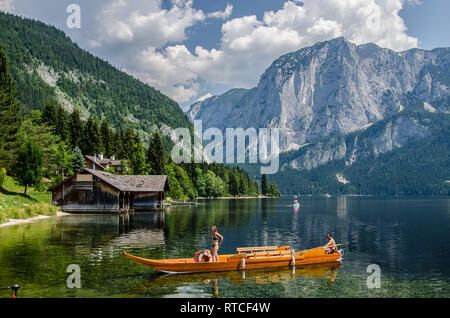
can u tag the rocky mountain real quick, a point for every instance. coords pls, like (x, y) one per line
(340, 102)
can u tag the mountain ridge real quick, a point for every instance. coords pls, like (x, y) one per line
(321, 95)
(65, 74)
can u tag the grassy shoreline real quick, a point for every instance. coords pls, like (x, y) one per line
(15, 205)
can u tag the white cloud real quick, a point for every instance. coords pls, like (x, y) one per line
(222, 14)
(149, 25)
(175, 70)
(6, 6)
(248, 44)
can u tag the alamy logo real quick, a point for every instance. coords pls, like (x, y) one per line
(374, 279)
(74, 279)
(262, 146)
(74, 19)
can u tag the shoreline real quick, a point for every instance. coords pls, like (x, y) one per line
(33, 219)
(238, 198)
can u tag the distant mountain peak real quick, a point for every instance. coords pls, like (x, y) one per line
(334, 88)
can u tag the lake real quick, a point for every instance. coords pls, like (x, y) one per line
(405, 237)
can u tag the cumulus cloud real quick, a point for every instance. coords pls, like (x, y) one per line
(248, 45)
(6, 6)
(149, 24)
(222, 14)
(119, 22)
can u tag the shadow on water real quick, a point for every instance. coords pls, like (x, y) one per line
(327, 272)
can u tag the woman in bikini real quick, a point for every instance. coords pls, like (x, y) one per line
(215, 243)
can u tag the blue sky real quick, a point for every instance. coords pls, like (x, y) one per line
(192, 48)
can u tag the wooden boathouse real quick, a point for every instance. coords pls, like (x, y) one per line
(95, 191)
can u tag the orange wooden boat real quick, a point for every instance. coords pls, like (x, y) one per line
(246, 258)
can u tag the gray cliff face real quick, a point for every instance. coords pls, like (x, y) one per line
(337, 88)
(391, 134)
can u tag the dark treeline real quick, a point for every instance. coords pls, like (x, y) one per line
(186, 180)
(418, 168)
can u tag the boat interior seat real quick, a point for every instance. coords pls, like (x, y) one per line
(252, 249)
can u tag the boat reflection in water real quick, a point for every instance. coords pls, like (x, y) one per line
(326, 271)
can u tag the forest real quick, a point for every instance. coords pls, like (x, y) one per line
(41, 148)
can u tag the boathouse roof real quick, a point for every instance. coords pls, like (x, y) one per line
(125, 183)
(144, 183)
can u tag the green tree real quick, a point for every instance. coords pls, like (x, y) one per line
(49, 115)
(137, 160)
(185, 182)
(176, 190)
(116, 144)
(78, 162)
(106, 136)
(62, 124)
(273, 190)
(10, 114)
(234, 184)
(29, 161)
(2, 175)
(128, 141)
(200, 182)
(76, 128)
(63, 160)
(44, 136)
(155, 154)
(91, 142)
(264, 185)
(215, 187)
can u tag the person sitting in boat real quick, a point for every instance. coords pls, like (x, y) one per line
(331, 246)
(215, 243)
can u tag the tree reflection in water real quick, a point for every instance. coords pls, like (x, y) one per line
(326, 271)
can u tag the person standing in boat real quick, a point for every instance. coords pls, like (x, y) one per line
(215, 243)
(331, 246)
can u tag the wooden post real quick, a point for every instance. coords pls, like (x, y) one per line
(128, 204)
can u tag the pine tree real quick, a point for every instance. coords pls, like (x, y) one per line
(234, 183)
(78, 162)
(128, 141)
(273, 190)
(155, 155)
(28, 165)
(62, 126)
(137, 160)
(264, 185)
(62, 159)
(91, 143)
(106, 135)
(49, 115)
(116, 144)
(75, 128)
(10, 114)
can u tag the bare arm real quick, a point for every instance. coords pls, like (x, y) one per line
(221, 238)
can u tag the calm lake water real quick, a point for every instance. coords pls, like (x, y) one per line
(406, 237)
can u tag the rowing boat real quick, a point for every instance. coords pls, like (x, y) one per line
(246, 258)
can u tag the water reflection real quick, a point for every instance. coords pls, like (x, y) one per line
(327, 272)
(341, 206)
(403, 236)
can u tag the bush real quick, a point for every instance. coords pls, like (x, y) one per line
(2, 175)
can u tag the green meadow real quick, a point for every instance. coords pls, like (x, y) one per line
(14, 204)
